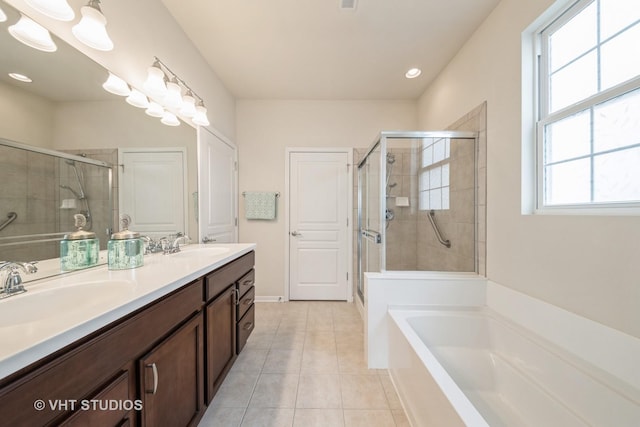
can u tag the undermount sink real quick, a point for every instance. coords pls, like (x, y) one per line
(63, 301)
(201, 251)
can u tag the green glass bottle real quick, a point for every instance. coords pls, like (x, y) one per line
(126, 248)
(79, 249)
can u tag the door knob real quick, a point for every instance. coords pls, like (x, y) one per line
(296, 234)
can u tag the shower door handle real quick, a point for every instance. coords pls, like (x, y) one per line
(374, 236)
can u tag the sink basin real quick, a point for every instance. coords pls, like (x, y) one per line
(62, 301)
(201, 251)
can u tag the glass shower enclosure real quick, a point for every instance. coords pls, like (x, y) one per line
(417, 203)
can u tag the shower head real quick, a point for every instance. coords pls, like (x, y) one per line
(391, 158)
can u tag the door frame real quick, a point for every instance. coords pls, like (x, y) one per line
(287, 172)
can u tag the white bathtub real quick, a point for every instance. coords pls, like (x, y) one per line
(473, 367)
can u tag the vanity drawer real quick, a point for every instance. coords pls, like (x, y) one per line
(245, 327)
(219, 280)
(246, 302)
(115, 393)
(246, 282)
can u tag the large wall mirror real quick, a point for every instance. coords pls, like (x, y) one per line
(69, 125)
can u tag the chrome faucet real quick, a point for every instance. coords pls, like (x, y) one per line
(175, 245)
(13, 282)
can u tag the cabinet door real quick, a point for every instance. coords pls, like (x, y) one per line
(171, 378)
(220, 318)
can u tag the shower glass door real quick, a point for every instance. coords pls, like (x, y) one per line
(369, 219)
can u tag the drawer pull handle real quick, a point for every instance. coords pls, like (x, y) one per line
(154, 368)
(247, 302)
(247, 283)
(247, 326)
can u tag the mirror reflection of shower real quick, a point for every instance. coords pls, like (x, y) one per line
(80, 193)
(389, 213)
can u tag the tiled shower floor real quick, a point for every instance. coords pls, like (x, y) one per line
(304, 366)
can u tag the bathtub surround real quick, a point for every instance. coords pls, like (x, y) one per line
(572, 354)
(411, 288)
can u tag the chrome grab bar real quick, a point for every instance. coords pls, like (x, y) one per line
(432, 214)
(11, 216)
(374, 236)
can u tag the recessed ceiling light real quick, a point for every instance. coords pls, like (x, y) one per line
(413, 73)
(20, 77)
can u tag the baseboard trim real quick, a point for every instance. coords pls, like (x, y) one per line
(269, 299)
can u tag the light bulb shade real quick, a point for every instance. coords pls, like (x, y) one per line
(188, 108)
(3, 16)
(137, 99)
(154, 109)
(170, 119)
(155, 85)
(200, 118)
(116, 86)
(32, 34)
(56, 9)
(173, 98)
(91, 30)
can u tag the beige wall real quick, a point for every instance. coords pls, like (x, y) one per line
(25, 117)
(266, 128)
(143, 29)
(585, 264)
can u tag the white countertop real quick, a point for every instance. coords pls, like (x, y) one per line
(58, 311)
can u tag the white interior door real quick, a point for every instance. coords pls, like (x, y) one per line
(153, 190)
(217, 188)
(318, 226)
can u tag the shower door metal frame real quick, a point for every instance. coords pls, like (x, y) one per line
(381, 141)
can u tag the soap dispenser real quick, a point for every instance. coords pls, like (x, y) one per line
(126, 248)
(79, 249)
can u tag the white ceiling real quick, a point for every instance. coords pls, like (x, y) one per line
(313, 49)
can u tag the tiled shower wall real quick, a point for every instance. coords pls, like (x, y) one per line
(411, 242)
(35, 195)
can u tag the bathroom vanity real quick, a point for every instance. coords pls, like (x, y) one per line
(154, 354)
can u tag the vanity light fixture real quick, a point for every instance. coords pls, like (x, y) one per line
(188, 108)
(155, 110)
(413, 73)
(155, 84)
(190, 105)
(20, 77)
(91, 30)
(173, 98)
(200, 117)
(137, 99)
(116, 85)
(34, 35)
(3, 16)
(56, 9)
(170, 119)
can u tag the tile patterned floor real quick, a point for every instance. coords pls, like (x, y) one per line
(304, 366)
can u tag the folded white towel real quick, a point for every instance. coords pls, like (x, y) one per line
(260, 204)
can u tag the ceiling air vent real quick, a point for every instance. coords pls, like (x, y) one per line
(348, 4)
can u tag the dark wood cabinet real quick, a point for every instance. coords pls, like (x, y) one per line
(171, 378)
(220, 317)
(163, 362)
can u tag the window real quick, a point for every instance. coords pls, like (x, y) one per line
(588, 140)
(433, 184)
